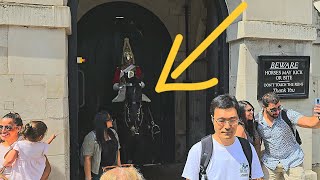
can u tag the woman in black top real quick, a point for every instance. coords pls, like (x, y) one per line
(100, 147)
(248, 126)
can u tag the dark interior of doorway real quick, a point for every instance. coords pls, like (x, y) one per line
(217, 55)
(215, 63)
(100, 42)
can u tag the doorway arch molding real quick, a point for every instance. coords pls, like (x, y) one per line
(86, 5)
(231, 5)
(165, 16)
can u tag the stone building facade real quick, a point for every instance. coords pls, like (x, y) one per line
(34, 61)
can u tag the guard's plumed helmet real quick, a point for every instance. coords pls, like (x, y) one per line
(127, 57)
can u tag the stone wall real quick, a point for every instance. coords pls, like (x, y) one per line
(316, 91)
(33, 59)
(275, 28)
(33, 70)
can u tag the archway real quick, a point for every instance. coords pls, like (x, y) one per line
(214, 64)
(101, 32)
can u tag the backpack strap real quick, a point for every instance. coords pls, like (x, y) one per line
(247, 152)
(206, 153)
(294, 131)
(286, 119)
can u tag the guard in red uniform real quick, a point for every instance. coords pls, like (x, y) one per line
(125, 74)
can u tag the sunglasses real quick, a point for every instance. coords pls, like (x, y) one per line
(273, 110)
(8, 128)
(249, 110)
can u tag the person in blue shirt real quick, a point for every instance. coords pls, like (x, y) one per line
(283, 156)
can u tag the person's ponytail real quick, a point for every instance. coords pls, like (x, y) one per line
(29, 133)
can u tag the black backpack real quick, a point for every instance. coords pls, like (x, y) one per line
(206, 153)
(294, 131)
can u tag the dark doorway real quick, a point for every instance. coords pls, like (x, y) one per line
(215, 64)
(101, 33)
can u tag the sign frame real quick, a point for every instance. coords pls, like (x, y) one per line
(262, 60)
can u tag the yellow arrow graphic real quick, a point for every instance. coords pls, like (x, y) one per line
(162, 86)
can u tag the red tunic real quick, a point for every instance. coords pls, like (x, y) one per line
(116, 78)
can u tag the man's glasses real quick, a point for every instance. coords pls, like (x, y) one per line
(8, 128)
(273, 110)
(250, 110)
(222, 122)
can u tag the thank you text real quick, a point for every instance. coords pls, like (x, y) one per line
(288, 76)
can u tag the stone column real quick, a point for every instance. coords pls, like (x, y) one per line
(272, 28)
(316, 91)
(33, 70)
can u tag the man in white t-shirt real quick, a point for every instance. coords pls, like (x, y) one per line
(228, 160)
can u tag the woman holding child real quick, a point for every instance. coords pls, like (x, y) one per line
(10, 128)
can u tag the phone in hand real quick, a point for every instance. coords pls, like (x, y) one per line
(317, 101)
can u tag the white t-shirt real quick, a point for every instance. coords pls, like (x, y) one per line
(227, 162)
(31, 160)
(3, 152)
